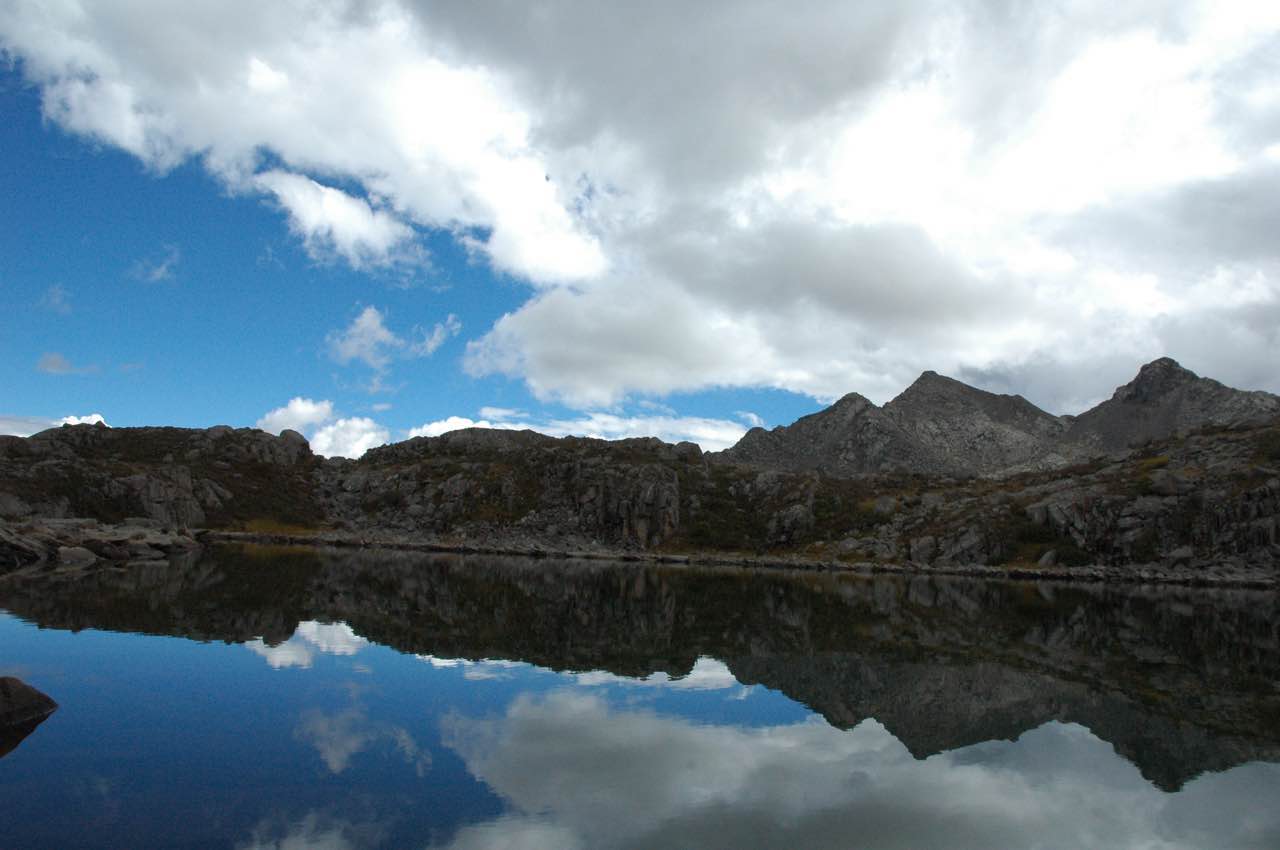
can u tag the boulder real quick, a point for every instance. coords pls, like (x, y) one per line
(22, 709)
(21, 704)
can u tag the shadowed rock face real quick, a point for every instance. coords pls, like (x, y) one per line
(1178, 681)
(174, 476)
(22, 709)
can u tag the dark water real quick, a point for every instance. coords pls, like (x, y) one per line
(278, 699)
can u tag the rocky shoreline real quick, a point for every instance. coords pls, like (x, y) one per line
(1197, 502)
(86, 543)
(1155, 574)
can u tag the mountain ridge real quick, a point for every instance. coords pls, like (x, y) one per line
(940, 425)
(1204, 506)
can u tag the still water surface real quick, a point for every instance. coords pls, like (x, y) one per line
(286, 699)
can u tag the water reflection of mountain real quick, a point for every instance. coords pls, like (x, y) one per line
(1179, 681)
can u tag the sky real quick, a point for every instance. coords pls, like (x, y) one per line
(374, 220)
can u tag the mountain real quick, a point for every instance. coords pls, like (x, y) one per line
(969, 429)
(829, 488)
(1163, 400)
(940, 425)
(850, 437)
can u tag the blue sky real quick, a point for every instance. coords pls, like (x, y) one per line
(371, 220)
(167, 300)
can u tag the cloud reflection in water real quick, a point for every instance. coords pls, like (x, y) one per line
(309, 638)
(578, 773)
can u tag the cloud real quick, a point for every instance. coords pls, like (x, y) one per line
(90, 419)
(329, 436)
(53, 363)
(571, 767)
(501, 413)
(332, 222)
(710, 434)
(159, 268)
(368, 340)
(25, 426)
(56, 299)
(453, 423)
(427, 345)
(349, 437)
(823, 199)
(300, 414)
(368, 96)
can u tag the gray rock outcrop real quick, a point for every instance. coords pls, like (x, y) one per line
(178, 477)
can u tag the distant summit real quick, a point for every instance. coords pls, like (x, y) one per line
(1163, 400)
(941, 425)
(966, 428)
(849, 437)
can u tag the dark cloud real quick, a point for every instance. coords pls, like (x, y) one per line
(1184, 232)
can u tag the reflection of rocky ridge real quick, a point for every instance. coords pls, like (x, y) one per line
(1178, 681)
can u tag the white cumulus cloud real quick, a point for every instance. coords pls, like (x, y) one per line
(710, 434)
(331, 221)
(349, 437)
(369, 96)
(300, 414)
(822, 198)
(25, 426)
(452, 423)
(368, 340)
(90, 419)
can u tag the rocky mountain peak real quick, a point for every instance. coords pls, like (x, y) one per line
(1155, 380)
(940, 424)
(930, 383)
(848, 406)
(1163, 400)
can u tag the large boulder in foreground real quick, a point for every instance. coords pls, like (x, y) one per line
(22, 709)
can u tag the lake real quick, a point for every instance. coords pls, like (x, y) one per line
(286, 698)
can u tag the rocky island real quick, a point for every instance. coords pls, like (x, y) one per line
(1174, 478)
